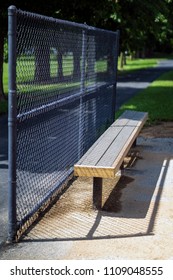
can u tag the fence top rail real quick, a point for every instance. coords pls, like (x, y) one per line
(67, 23)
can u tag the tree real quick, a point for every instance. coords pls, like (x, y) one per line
(93, 13)
(140, 23)
(39, 6)
(144, 24)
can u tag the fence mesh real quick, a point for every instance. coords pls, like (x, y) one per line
(66, 78)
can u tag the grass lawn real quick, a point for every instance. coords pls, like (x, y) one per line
(157, 100)
(5, 78)
(137, 64)
(132, 65)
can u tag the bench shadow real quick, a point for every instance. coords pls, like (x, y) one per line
(123, 215)
(113, 203)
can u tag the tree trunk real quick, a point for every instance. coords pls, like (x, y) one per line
(122, 60)
(76, 65)
(60, 66)
(77, 52)
(91, 58)
(42, 64)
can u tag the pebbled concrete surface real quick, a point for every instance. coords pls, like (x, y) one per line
(135, 223)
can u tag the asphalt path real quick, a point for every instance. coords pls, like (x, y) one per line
(127, 86)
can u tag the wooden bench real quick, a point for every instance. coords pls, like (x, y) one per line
(105, 157)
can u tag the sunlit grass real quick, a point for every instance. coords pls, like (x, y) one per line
(157, 99)
(5, 77)
(137, 64)
(132, 65)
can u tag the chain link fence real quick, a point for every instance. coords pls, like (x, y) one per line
(62, 86)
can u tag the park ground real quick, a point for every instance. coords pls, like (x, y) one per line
(135, 222)
(136, 219)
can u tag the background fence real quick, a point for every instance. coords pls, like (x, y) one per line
(62, 85)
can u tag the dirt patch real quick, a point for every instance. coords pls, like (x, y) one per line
(160, 130)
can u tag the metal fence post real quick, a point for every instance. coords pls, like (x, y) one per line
(12, 112)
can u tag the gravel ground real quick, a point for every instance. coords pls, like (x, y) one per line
(135, 222)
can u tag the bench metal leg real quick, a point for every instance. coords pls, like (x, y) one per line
(134, 143)
(97, 193)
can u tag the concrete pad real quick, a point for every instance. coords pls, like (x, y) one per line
(135, 223)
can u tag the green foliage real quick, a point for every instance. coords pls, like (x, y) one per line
(145, 25)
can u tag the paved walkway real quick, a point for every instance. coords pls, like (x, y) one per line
(146, 228)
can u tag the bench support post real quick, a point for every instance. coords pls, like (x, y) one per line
(97, 193)
(134, 143)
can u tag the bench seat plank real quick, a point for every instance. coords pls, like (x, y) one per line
(105, 157)
(117, 145)
(95, 153)
(125, 118)
(130, 118)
